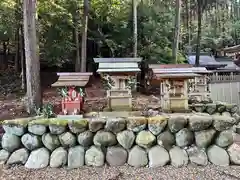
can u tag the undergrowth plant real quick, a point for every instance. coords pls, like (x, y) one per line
(46, 111)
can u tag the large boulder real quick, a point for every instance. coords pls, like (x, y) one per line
(145, 139)
(228, 114)
(232, 108)
(204, 138)
(234, 153)
(67, 139)
(19, 156)
(136, 124)
(166, 139)
(197, 156)
(157, 124)
(85, 138)
(237, 117)
(126, 139)
(10, 142)
(224, 138)
(31, 141)
(178, 157)
(218, 156)
(116, 156)
(94, 157)
(104, 138)
(211, 108)
(134, 157)
(50, 141)
(199, 123)
(58, 158)
(4, 155)
(17, 130)
(37, 129)
(115, 125)
(78, 126)
(221, 106)
(96, 124)
(38, 159)
(221, 123)
(177, 122)
(57, 129)
(76, 157)
(184, 137)
(161, 154)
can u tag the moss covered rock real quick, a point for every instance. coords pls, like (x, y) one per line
(104, 138)
(145, 139)
(67, 139)
(31, 141)
(78, 126)
(115, 125)
(96, 124)
(136, 124)
(50, 141)
(10, 142)
(177, 122)
(157, 124)
(221, 123)
(126, 139)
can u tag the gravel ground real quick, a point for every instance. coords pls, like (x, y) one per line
(190, 172)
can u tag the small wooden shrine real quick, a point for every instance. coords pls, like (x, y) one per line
(120, 74)
(174, 86)
(72, 90)
(198, 87)
(152, 80)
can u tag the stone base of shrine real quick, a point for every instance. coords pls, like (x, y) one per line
(119, 100)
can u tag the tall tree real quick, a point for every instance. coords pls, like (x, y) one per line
(199, 12)
(201, 6)
(76, 22)
(34, 98)
(84, 36)
(135, 34)
(176, 30)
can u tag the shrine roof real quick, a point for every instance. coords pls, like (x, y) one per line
(116, 60)
(166, 66)
(177, 75)
(118, 64)
(200, 70)
(72, 79)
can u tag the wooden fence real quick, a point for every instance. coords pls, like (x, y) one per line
(225, 87)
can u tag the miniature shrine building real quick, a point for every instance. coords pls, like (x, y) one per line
(179, 82)
(71, 85)
(119, 71)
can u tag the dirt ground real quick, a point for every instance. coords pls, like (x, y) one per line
(11, 104)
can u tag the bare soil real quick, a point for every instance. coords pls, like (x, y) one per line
(11, 104)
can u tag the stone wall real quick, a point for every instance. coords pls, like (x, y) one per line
(176, 139)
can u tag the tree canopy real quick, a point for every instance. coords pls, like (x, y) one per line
(110, 28)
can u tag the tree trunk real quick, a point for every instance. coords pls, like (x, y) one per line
(134, 6)
(84, 37)
(18, 18)
(176, 31)
(76, 39)
(188, 22)
(16, 58)
(34, 98)
(22, 58)
(4, 61)
(199, 10)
